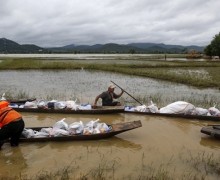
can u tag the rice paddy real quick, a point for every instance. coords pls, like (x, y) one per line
(183, 72)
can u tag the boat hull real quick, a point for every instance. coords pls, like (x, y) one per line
(213, 131)
(98, 110)
(208, 118)
(115, 129)
(21, 101)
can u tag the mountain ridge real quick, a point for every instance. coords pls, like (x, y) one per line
(9, 46)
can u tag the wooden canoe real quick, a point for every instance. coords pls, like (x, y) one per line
(115, 129)
(213, 131)
(20, 101)
(186, 116)
(97, 110)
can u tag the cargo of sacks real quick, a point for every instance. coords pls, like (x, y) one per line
(61, 128)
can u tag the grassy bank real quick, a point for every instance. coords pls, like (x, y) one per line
(202, 74)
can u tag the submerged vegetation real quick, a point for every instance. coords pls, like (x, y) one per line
(200, 165)
(203, 74)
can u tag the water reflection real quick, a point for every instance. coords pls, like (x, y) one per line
(11, 159)
(107, 143)
(44, 119)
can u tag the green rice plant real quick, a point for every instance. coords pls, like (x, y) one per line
(173, 71)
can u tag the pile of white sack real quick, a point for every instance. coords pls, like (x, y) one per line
(181, 107)
(143, 108)
(178, 107)
(53, 104)
(61, 128)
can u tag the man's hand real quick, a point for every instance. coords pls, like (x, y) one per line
(94, 106)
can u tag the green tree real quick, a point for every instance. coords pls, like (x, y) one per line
(208, 50)
(132, 51)
(213, 49)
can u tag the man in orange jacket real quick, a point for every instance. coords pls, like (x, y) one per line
(11, 124)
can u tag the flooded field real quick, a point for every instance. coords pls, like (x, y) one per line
(102, 57)
(85, 85)
(164, 148)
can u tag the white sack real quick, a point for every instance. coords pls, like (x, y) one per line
(214, 111)
(88, 130)
(76, 128)
(71, 105)
(61, 124)
(153, 108)
(42, 104)
(141, 108)
(59, 132)
(32, 104)
(179, 107)
(201, 111)
(129, 108)
(85, 107)
(46, 130)
(28, 133)
(92, 124)
(60, 105)
(102, 127)
(41, 134)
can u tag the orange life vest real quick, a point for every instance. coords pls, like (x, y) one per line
(4, 104)
(8, 115)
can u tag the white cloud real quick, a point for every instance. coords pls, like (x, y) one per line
(57, 22)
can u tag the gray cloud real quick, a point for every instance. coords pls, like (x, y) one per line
(56, 22)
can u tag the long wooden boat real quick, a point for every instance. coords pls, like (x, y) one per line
(186, 116)
(213, 131)
(97, 110)
(115, 129)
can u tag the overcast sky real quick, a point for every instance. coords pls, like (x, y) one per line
(49, 23)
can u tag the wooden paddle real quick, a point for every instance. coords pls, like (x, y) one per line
(127, 93)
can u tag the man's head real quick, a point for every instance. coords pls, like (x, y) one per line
(111, 87)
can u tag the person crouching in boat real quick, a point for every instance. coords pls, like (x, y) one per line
(11, 124)
(108, 96)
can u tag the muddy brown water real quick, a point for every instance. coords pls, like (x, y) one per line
(160, 142)
(171, 145)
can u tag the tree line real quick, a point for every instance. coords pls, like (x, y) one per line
(213, 49)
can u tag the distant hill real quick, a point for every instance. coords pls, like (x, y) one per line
(128, 48)
(8, 46)
(167, 48)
